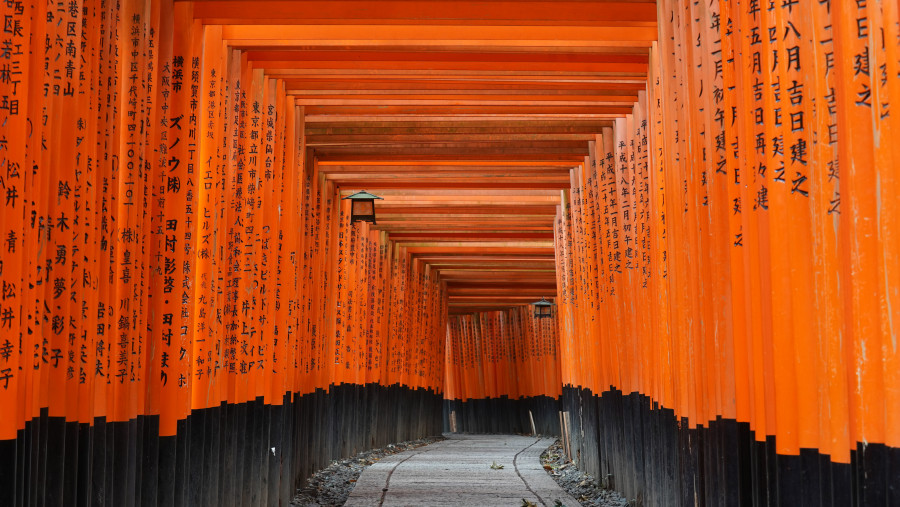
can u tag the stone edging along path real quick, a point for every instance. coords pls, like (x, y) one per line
(489, 460)
(584, 487)
(332, 485)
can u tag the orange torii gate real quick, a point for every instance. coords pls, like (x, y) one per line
(710, 190)
(171, 268)
(502, 373)
(728, 262)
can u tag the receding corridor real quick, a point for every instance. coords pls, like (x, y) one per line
(241, 240)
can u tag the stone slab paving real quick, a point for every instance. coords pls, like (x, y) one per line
(457, 471)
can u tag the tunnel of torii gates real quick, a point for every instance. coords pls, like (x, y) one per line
(708, 191)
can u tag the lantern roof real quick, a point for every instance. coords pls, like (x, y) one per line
(542, 302)
(363, 195)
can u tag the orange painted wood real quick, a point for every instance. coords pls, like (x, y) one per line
(711, 200)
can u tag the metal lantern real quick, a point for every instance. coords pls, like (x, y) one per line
(362, 207)
(543, 309)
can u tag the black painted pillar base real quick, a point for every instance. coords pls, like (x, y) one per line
(646, 453)
(231, 455)
(503, 415)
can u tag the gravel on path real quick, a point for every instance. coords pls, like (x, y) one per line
(584, 487)
(332, 485)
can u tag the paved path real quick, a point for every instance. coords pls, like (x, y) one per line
(457, 471)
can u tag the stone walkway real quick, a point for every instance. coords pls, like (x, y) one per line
(457, 471)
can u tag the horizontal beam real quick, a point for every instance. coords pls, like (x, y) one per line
(342, 140)
(467, 198)
(436, 259)
(541, 277)
(568, 151)
(351, 34)
(557, 13)
(609, 69)
(485, 244)
(523, 298)
(496, 176)
(391, 84)
(441, 75)
(475, 196)
(527, 296)
(430, 167)
(467, 184)
(500, 289)
(488, 202)
(471, 236)
(476, 249)
(489, 266)
(466, 305)
(311, 120)
(462, 228)
(498, 208)
(450, 110)
(436, 57)
(467, 217)
(457, 127)
(472, 160)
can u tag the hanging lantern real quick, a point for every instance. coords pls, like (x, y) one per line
(543, 309)
(362, 207)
